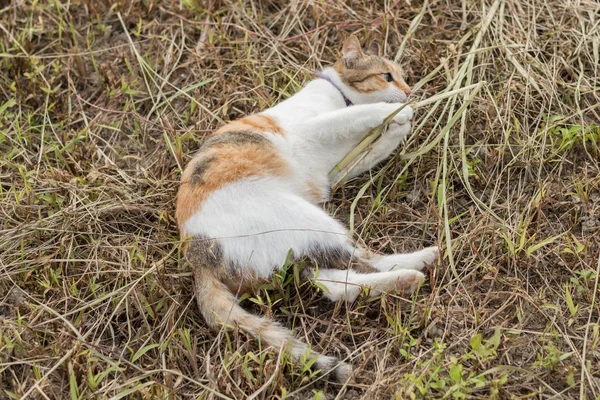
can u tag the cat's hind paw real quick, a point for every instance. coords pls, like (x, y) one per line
(409, 281)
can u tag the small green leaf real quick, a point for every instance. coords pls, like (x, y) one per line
(73, 389)
(475, 342)
(456, 372)
(495, 339)
(555, 118)
(6, 105)
(572, 307)
(143, 351)
(541, 244)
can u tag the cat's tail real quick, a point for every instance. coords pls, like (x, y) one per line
(219, 307)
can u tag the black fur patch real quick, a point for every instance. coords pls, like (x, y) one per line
(338, 258)
(203, 251)
(200, 166)
(206, 253)
(203, 161)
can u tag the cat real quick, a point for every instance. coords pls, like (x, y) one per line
(250, 198)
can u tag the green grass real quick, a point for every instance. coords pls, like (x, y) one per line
(102, 106)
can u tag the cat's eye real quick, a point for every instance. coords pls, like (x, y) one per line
(388, 77)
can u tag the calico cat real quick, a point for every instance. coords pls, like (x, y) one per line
(249, 198)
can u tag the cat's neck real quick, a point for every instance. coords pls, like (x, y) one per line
(323, 94)
(333, 78)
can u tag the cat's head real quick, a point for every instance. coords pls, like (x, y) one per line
(368, 77)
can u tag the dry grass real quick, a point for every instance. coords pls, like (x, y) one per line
(101, 106)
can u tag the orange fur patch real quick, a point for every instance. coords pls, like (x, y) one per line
(314, 192)
(399, 79)
(223, 163)
(372, 84)
(256, 123)
(403, 86)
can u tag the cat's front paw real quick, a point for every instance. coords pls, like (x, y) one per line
(384, 110)
(404, 116)
(398, 131)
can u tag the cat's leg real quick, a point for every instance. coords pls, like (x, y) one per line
(348, 284)
(416, 260)
(351, 124)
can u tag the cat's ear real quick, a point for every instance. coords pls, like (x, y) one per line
(374, 49)
(351, 50)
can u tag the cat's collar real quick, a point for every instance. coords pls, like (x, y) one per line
(328, 79)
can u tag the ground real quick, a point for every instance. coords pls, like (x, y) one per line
(103, 103)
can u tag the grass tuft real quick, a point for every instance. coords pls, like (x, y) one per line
(103, 103)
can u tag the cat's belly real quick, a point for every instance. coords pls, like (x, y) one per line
(257, 222)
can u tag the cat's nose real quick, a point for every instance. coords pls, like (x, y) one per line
(407, 91)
